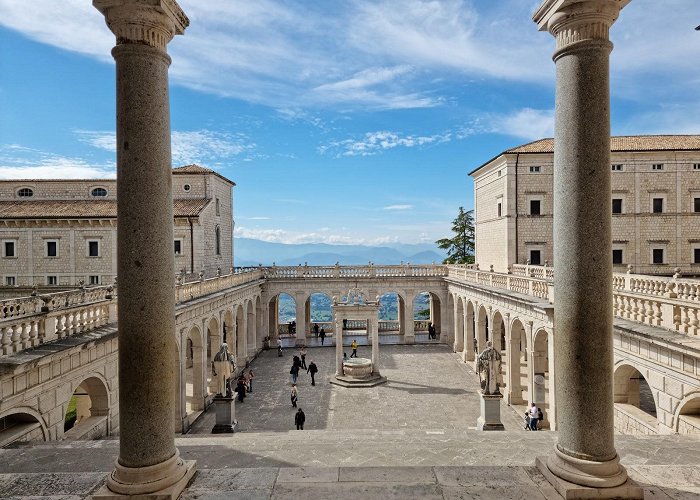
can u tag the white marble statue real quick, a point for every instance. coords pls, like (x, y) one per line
(489, 367)
(223, 368)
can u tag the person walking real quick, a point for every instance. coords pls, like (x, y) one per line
(299, 419)
(302, 353)
(316, 330)
(251, 376)
(312, 370)
(240, 389)
(294, 396)
(534, 413)
(354, 348)
(294, 372)
(279, 347)
(323, 335)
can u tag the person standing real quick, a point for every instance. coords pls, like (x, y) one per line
(354, 348)
(240, 389)
(316, 330)
(294, 396)
(323, 335)
(534, 413)
(312, 370)
(251, 376)
(302, 353)
(294, 372)
(279, 347)
(299, 419)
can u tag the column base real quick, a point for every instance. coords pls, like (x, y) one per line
(409, 340)
(166, 480)
(602, 479)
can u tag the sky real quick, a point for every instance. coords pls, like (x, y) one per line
(341, 121)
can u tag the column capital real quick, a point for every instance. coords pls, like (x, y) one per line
(143, 22)
(573, 22)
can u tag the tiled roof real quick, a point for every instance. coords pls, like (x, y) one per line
(625, 143)
(84, 209)
(196, 169)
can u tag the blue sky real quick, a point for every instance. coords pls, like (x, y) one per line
(351, 121)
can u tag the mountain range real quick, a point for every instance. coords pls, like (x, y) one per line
(251, 252)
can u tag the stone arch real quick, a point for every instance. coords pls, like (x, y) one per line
(285, 313)
(213, 342)
(687, 417)
(423, 315)
(320, 311)
(22, 424)
(250, 329)
(392, 311)
(540, 367)
(86, 413)
(497, 332)
(517, 363)
(470, 343)
(482, 327)
(194, 370)
(636, 409)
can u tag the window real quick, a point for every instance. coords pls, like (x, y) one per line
(696, 205)
(178, 247)
(52, 280)
(218, 241)
(617, 205)
(696, 255)
(99, 192)
(93, 248)
(9, 249)
(10, 280)
(535, 169)
(499, 173)
(617, 167)
(535, 257)
(25, 193)
(186, 188)
(696, 166)
(499, 209)
(535, 207)
(218, 208)
(657, 205)
(52, 248)
(94, 279)
(617, 256)
(657, 256)
(657, 166)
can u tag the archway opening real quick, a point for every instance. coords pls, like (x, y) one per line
(635, 407)
(689, 417)
(251, 321)
(214, 341)
(194, 371)
(460, 331)
(87, 411)
(540, 369)
(286, 315)
(320, 313)
(517, 364)
(426, 312)
(391, 307)
(20, 427)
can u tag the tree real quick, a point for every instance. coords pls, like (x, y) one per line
(460, 248)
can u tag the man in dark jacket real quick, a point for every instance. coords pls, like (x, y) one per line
(312, 370)
(299, 419)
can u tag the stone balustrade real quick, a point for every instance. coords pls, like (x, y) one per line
(525, 285)
(200, 288)
(352, 272)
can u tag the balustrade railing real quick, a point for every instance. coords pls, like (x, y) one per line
(352, 272)
(206, 286)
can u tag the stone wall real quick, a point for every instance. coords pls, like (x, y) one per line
(631, 420)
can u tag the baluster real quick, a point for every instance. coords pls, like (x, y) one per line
(33, 333)
(41, 331)
(16, 337)
(686, 319)
(5, 339)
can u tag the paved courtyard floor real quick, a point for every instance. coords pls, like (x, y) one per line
(428, 388)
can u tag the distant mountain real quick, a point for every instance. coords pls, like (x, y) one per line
(250, 252)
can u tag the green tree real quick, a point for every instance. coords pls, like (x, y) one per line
(460, 248)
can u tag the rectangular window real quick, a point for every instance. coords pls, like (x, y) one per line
(617, 256)
(93, 248)
(535, 257)
(696, 255)
(657, 256)
(94, 279)
(499, 209)
(178, 247)
(218, 208)
(8, 249)
(535, 207)
(696, 166)
(52, 248)
(617, 167)
(52, 280)
(617, 205)
(10, 280)
(535, 169)
(657, 205)
(696, 205)
(657, 166)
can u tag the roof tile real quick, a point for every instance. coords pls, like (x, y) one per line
(84, 209)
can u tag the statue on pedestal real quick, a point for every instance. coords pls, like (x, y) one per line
(489, 367)
(223, 367)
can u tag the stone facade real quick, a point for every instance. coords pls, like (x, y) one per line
(644, 169)
(77, 219)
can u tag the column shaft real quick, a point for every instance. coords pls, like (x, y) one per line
(146, 266)
(338, 333)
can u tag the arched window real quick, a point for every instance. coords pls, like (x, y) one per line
(99, 192)
(218, 241)
(25, 193)
(186, 188)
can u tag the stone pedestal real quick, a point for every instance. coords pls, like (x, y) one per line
(358, 372)
(490, 418)
(225, 411)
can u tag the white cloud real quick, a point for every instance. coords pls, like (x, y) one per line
(18, 162)
(375, 142)
(196, 146)
(527, 123)
(289, 237)
(398, 207)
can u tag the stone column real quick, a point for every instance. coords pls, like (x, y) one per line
(373, 326)
(338, 335)
(410, 330)
(300, 299)
(469, 335)
(457, 321)
(148, 460)
(585, 454)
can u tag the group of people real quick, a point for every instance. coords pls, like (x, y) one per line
(319, 333)
(432, 333)
(244, 384)
(533, 417)
(299, 363)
